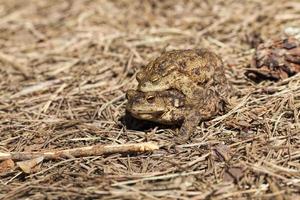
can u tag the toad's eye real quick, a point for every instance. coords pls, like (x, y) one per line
(154, 78)
(150, 99)
(139, 76)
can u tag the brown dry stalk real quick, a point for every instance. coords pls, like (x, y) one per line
(95, 150)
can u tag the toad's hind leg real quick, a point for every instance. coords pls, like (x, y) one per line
(189, 126)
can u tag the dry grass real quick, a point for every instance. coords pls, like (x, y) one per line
(64, 68)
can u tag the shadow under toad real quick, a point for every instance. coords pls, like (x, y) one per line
(132, 123)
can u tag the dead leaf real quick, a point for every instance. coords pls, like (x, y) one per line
(233, 174)
(6, 165)
(29, 165)
(275, 60)
(221, 152)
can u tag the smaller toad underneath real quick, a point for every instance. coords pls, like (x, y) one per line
(166, 107)
(170, 107)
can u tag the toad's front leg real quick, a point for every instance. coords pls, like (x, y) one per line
(189, 126)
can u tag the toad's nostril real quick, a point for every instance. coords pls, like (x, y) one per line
(142, 85)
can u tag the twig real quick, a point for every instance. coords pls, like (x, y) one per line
(36, 88)
(82, 151)
(274, 188)
(52, 98)
(163, 177)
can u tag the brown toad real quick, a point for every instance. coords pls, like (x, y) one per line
(170, 107)
(165, 107)
(185, 70)
(197, 73)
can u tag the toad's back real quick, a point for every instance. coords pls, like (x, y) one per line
(200, 65)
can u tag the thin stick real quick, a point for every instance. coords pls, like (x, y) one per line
(82, 151)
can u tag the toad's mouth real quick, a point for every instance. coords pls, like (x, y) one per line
(151, 112)
(149, 87)
(148, 114)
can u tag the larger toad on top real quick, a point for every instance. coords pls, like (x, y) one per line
(198, 74)
(185, 70)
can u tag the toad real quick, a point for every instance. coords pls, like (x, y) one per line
(198, 74)
(165, 107)
(189, 71)
(170, 107)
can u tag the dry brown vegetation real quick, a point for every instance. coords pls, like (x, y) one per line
(64, 69)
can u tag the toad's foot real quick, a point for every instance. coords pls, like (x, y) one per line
(189, 126)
